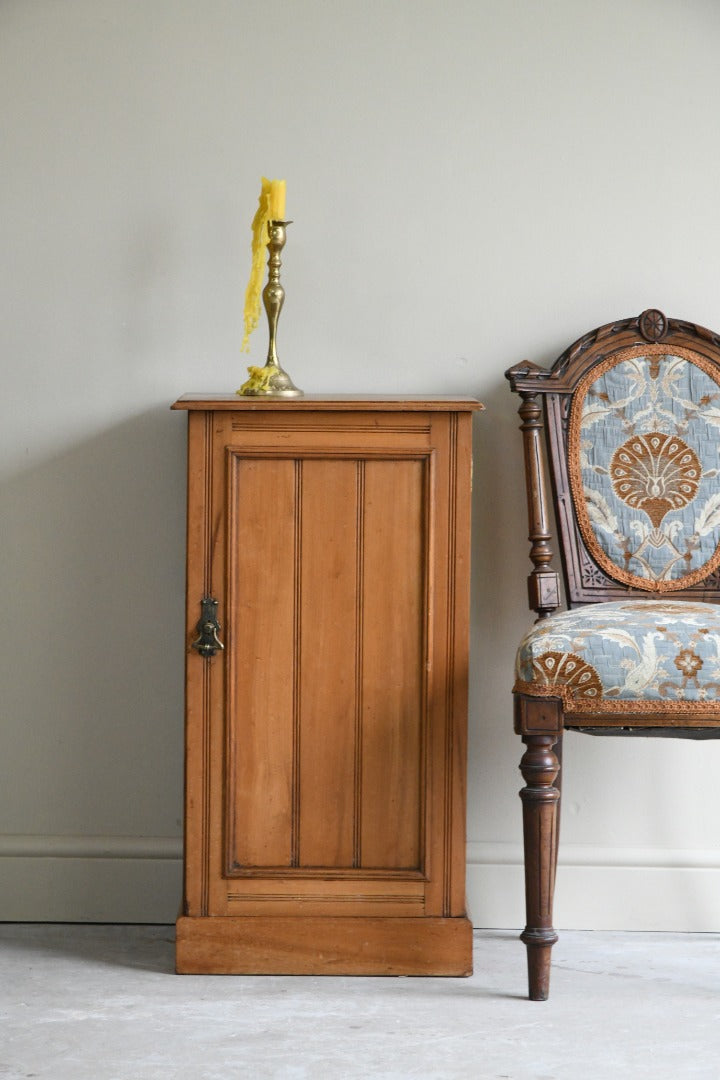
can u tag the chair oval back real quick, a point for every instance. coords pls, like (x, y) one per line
(644, 466)
(633, 429)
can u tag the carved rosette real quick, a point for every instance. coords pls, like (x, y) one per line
(653, 324)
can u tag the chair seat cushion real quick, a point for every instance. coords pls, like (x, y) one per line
(633, 656)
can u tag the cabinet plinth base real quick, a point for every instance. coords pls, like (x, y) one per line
(307, 945)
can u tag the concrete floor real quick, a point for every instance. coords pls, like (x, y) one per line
(102, 1003)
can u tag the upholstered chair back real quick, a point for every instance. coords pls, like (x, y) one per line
(633, 417)
(644, 466)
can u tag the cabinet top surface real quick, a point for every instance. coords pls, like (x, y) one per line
(330, 402)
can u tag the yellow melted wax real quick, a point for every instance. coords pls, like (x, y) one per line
(259, 379)
(271, 207)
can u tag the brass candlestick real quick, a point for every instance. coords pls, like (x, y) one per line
(272, 381)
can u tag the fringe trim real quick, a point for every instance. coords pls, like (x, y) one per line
(650, 707)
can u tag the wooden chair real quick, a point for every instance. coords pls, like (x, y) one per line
(632, 416)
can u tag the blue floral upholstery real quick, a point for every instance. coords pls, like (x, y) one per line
(644, 457)
(643, 656)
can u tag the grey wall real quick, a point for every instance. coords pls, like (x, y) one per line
(472, 182)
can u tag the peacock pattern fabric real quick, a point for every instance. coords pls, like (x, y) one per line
(626, 655)
(644, 466)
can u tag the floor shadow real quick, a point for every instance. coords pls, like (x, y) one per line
(151, 948)
(138, 947)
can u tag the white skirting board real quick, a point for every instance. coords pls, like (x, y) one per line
(601, 888)
(90, 879)
(139, 879)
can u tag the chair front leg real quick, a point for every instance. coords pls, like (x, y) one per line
(539, 767)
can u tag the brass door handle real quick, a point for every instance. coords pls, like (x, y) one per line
(208, 642)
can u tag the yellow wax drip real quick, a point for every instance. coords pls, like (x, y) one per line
(271, 207)
(259, 379)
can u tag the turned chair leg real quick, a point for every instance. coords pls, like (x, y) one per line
(540, 798)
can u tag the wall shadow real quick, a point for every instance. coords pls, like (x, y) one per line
(92, 586)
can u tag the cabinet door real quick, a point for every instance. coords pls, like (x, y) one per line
(327, 738)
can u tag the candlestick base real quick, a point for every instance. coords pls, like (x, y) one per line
(269, 381)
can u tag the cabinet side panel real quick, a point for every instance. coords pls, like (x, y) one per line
(448, 701)
(327, 739)
(459, 583)
(261, 661)
(393, 662)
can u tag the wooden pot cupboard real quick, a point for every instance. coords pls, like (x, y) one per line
(326, 698)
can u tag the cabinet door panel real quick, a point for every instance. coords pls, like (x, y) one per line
(328, 647)
(393, 656)
(261, 657)
(326, 706)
